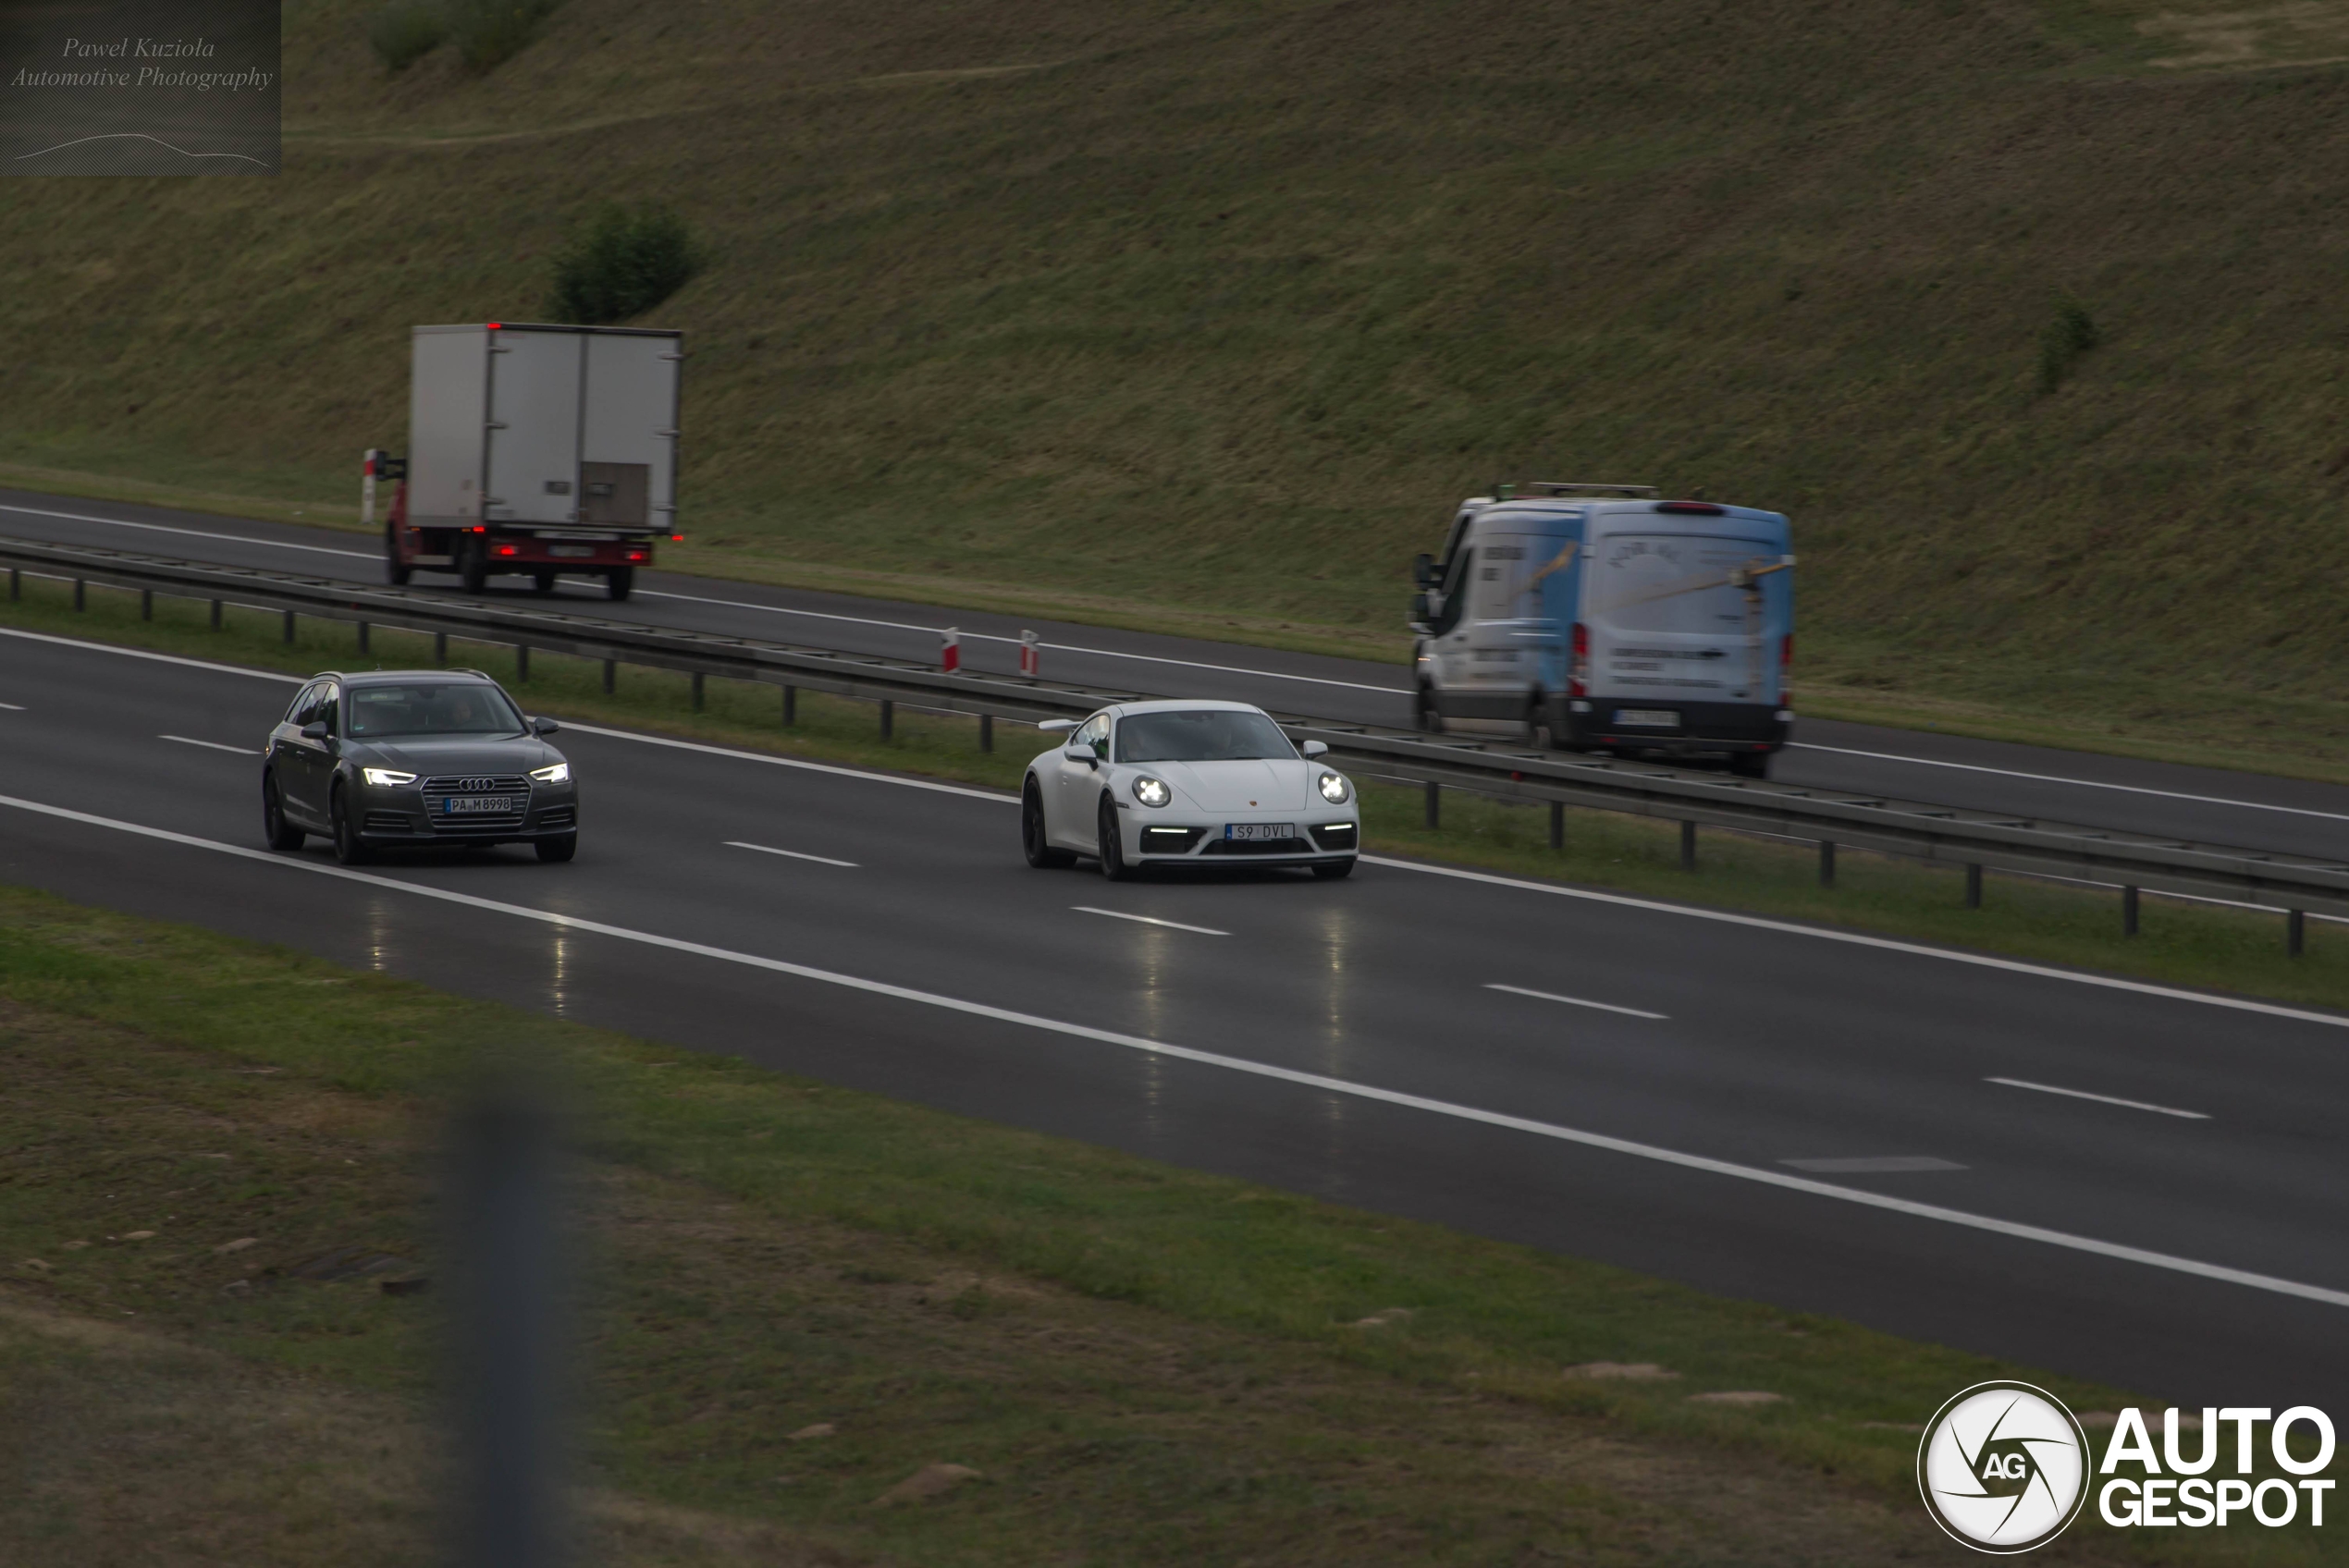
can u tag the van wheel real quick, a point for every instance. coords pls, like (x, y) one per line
(1039, 849)
(1750, 765)
(1425, 714)
(1538, 733)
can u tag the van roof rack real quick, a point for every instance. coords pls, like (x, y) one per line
(1567, 487)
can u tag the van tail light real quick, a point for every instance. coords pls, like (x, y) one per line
(1786, 671)
(1578, 669)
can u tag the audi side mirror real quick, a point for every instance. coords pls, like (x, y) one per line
(1422, 571)
(1315, 749)
(314, 730)
(545, 726)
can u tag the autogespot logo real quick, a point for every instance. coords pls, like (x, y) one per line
(2003, 1467)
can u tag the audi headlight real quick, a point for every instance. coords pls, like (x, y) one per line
(1335, 789)
(1152, 791)
(558, 773)
(388, 776)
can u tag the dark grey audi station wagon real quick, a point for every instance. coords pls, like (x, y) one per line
(411, 758)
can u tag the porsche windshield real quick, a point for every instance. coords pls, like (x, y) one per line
(437, 708)
(1206, 735)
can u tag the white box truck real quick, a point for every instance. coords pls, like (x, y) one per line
(536, 450)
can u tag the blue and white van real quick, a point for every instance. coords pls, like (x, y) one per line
(1600, 618)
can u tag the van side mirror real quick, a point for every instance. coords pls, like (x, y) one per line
(1423, 571)
(1315, 749)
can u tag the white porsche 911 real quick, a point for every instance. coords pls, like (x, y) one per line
(1190, 783)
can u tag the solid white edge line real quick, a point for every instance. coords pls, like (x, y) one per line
(793, 854)
(1858, 939)
(1573, 1001)
(210, 745)
(2011, 1228)
(792, 762)
(159, 659)
(13, 708)
(2100, 1099)
(2079, 783)
(1149, 920)
(1760, 923)
(196, 532)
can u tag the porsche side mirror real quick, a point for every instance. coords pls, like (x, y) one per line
(1316, 748)
(1079, 751)
(1059, 726)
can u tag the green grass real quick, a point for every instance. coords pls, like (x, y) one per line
(1199, 314)
(1147, 1365)
(2179, 943)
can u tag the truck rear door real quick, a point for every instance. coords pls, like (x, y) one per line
(533, 427)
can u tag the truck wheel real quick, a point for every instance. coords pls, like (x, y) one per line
(542, 582)
(473, 565)
(395, 568)
(620, 581)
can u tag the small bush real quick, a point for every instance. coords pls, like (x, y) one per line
(489, 32)
(2071, 334)
(406, 31)
(625, 264)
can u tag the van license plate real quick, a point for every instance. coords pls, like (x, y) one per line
(1249, 831)
(1649, 718)
(571, 552)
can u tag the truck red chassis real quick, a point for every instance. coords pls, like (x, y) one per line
(477, 552)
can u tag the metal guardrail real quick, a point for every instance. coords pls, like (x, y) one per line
(1912, 828)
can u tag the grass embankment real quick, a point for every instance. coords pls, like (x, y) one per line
(1143, 1365)
(2179, 943)
(1200, 315)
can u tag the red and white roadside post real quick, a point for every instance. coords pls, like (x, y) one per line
(950, 651)
(1028, 651)
(367, 488)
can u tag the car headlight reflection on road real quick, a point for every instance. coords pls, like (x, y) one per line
(558, 773)
(1152, 791)
(388, 776)
(1335, 789)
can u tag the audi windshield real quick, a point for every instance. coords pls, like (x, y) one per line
(468, 708)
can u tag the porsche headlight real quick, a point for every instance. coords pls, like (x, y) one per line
(1152, 791)
(558, 773)
(381, 775)
(1335, 789)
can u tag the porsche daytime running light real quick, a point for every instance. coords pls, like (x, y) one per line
(1152, 791)
(380, 776)
(1335, 789)
(558, 773)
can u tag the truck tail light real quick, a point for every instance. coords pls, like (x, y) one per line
(507, 550)
(1578, 669)
(636, 555)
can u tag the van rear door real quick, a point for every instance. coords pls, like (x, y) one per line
(1669, 623)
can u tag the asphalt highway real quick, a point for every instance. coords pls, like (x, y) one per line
(2209, 805)
(1821, 1120)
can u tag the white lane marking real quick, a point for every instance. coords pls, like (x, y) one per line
(1149, 920)
(793, 854)
(1883, 944)
(791, 761)
(2100, 1099)
(159, 659)
(992, 637)
(13, 708)
(2080, 783)
(1879, 1163)
(195, 533)
(1573, 1001)
(2008, 1228)
(210, 745)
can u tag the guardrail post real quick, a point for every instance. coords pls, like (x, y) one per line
(790, 707)
(362, 636)
(2295, 932)
(1435, 805)
(1688, 846)
(78, 587)
(289, 623)
(697, 690)
(2128, 912)
(987, 732)
(1826, 863)
(440, 647)
(215, 614)
(612, 676)
(522, 662)
(1972, 885)
(146, 604)
(1557, 826)
(889, 718)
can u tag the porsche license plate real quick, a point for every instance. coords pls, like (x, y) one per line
(1648, 718)
(1243, 832)
(475, 805)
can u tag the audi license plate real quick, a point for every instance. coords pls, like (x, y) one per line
(475, 805)
(1648, 718)
(1243, 832)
